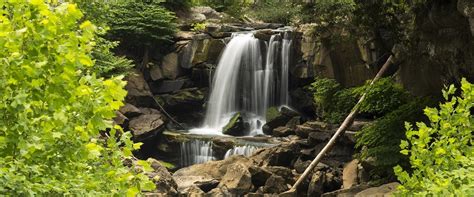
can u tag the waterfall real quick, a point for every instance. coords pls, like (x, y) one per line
(246, 150)
(196, 151)
(241, 83)
(285, 64)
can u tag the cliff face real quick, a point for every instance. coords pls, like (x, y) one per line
(444, 49)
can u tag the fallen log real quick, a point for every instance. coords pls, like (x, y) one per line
(347, 122)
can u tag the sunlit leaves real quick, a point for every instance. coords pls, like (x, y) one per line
(55, 114)
(441, 153)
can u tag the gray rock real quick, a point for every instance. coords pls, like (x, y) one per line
(384, 190)
(316, 184)
(162, 178)
(146, 125)
(130, 110)
(170, 67)
(283, 132)
(235, 127)
(136, 85)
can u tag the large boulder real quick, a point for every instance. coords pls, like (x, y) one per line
(278, 117)
(137, 85)
(185, 177)
(316, 184)
(275, 185)
(146, 125)
(237, 179)
(130, 110)
(170, 66)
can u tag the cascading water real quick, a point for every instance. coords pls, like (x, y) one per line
(285, 64)
(196, 151)
(243, 84)
(246, 150)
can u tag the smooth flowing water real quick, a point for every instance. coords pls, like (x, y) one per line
(246, 81)
(246, 150)
(196, 151)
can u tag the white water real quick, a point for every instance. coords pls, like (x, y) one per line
(196, 151)
(246, 150)
(285, 64)
(242, 84)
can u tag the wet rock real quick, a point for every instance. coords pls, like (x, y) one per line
(264, 34)
(221, 145)
(130, 111)
(146, 125)
(275, 185)
(384, 190)
(162, 178)
(283, 132)
(235, 127)
(277, 117)
(350, 174)
(316, 184)
(237, 179)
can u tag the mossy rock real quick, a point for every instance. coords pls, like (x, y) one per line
(235, 126)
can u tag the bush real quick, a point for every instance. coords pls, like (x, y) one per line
(380, 140)
(383, 97)
(275, 12)
(141, 24)
(441, 153)
(333, 103)
(52, 111)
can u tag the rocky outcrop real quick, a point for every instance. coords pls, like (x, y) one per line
(235, 127)
(278, 117)
(146, 125)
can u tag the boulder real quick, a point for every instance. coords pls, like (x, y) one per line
(130, 110)
(259, 175)
(384, 190)
(282, 172)
(136, 85)
(162, 178)
(183, 101)
(167, 86)
(223, 191)
(193, 191)
(156, 73)
(317, 137)
(237, 179)
(264, 34)
(170, 67)
(120, 119)
(283, 132)
(316, 184)
(185, 177)
(220, 146)
(146, 125)
(350, 174)
(184, 35)
(293, 122)
(207, 11)
(346, 192)
(235, 127)
(281, 155)
(275, 185)
(277, 117)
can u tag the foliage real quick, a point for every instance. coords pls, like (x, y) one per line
(141, 23)
(441, 153)
(52, 110)
(380, 140)
(199, 27)
(107, 64)
(275, 11)
(331, 101)
(382, 97)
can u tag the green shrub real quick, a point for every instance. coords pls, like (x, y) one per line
(380, 140)
(383, 97)
(331, 101)
(275, 12)
(441, 153)
(141, 24)
(52, 111)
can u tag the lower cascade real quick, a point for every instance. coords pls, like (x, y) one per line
(246, 150)
(195, 152)
(248, 81)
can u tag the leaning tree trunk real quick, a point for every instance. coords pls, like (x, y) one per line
(347, 122)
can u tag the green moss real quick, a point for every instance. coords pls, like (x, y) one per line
(231, 123)
(272, 113)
